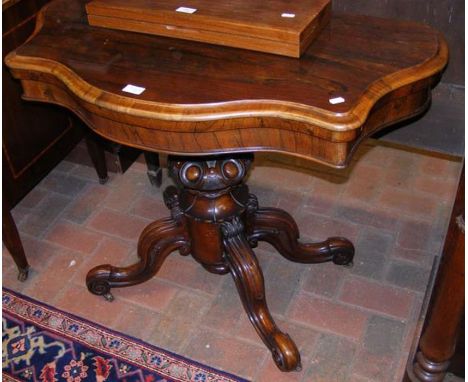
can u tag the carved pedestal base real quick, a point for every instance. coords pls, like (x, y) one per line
(217, 221)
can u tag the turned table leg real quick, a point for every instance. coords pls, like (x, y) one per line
(217, 221)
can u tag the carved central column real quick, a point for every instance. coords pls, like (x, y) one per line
(211, 192)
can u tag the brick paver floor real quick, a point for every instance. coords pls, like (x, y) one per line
(351, 324)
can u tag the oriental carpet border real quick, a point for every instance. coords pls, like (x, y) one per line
(43, 344)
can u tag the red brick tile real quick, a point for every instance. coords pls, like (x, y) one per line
(19, 215)
(227, 353)
(320, 203)
(289, 178)
(384, 336)
(403, 159)
(39, 252)
(365, 172)
(180, 320)
(289, 201)
(321, 227)
(110, 251)
(64, 184)
(88, 173)
(361, 189)
(150, 208)
(89, 202)
(137, 322)
(118, 224)
(246, 331)
(152, 294)
(324, 196)
(279, 294)
(439, 167)
(359, 378)
(226, 309)
(329, 316)
(442, 188)
(78, 300)
(45, 214)
(408, 202)
(33, 198)
(124, 192)
(401, 368)
(414, 234)
(381, 298)
(323, 279)
(355, 211)
(270, 373)
(45, 287)
(385, 219)
(400, 177)
(332, 359)
(74, 237)
(372, 152)
(375, 367)
(189, 274)
(64, 166)
(413, 255)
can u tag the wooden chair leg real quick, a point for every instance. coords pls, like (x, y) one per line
(97, 155)
(12, 241)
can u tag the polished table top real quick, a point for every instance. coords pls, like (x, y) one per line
(206, 99)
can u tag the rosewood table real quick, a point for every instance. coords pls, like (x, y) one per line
(210, 108)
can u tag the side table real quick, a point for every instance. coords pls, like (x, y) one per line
(210, 108)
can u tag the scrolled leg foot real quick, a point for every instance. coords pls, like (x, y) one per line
(248, 277)
(98, 278)
(156, 242)
(341, 250)
(278, 228)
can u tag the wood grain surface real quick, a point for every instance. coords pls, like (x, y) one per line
(251, 24)
(205, 99)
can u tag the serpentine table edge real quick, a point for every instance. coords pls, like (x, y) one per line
(242, 125)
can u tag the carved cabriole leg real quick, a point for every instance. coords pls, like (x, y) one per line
(156, 242)
(278, 228)
(248, 277)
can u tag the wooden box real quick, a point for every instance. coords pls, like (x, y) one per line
(275, 26)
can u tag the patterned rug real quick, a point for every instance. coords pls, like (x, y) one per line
(43, 344)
